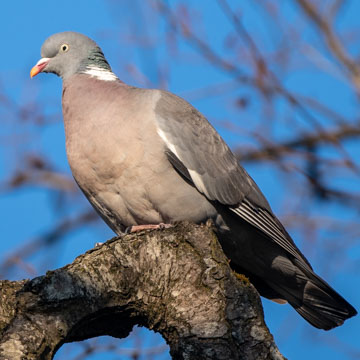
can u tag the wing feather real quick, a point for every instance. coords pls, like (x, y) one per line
(202, 157)
(212, 166)
(272, 227)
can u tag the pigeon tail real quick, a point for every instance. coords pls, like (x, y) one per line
(278, 274)
(316, 301)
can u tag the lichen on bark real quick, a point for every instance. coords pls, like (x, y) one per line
(175, 281)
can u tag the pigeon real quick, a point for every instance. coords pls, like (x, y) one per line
(146, 157)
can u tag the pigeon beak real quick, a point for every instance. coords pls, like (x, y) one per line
(39, 66)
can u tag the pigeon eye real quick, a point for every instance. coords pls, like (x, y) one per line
(64, 47)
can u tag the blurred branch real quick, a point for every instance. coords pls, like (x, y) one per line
(259, 61)
(133, 353)
(46, 240)
(42, 178)
(332, 40)
(268, 85)
(37, 170)
(308, 145)
(335, 8)
(275, 151)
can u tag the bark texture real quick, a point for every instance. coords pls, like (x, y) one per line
(175, 281)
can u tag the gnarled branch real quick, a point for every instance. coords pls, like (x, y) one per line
(175, 281)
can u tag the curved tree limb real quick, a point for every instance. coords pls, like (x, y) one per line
(276, 151)
(175, 281)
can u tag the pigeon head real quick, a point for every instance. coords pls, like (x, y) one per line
(68, 53)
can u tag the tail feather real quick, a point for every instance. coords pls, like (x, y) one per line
(317, 302)
(279, 274)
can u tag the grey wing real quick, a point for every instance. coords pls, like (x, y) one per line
(211, 165)
(201, 156)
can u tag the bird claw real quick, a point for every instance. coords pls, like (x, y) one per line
(136, 228)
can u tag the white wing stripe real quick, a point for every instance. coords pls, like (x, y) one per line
(267, 219)
(257, 222)
(253, 219)
(195, 177)
(168, 143)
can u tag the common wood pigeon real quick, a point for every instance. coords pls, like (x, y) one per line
(145, 157)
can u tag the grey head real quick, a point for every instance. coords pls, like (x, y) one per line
(68, 53)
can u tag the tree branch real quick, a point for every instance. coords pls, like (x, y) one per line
(175, 281)
(333, 42)
(275, 151)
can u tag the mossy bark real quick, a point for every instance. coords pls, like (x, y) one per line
(175, 281)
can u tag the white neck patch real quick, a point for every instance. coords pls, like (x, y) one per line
(100, 73)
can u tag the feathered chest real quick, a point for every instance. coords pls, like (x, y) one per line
(107, 137)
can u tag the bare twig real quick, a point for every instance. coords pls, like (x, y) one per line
(332, 40)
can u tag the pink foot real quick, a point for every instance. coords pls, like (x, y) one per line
(137, 228)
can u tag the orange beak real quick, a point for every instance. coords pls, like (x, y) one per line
(38, 68)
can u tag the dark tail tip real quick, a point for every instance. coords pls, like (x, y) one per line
(325, 319)
(322, 306)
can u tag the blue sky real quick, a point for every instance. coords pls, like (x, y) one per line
(114, 25)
